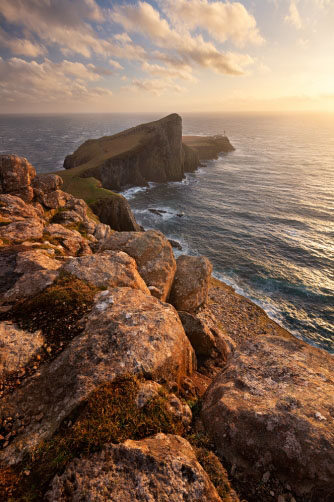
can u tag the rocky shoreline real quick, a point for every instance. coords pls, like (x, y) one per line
(128, 374)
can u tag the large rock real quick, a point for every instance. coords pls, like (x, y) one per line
(13, 208)
(46, 183)
(17, 347)
(162, 468)
(127, 332)
(21, 231)
(191, 283)
(110, 269)
(271, 411)
(115, 211)
(16, 175)
(148, 152)
(74, 243)
(199, 334)
(154, 257)
(25, 273)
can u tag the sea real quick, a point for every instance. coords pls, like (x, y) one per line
(263, 214)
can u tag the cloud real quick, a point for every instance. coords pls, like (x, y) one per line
(184, 48)
(222, 21)
(154, 86)
(47, 82)
(59, 22)
(21, 46)
(115, 64)
(184, 73)
(293, 18)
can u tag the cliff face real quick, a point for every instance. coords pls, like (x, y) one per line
(208, 147)
(148, 152)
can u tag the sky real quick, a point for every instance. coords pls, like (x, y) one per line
(133, 56)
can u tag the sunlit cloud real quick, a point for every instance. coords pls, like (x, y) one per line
(222, 21)
(293, 17)
(154, 86)
(33, 82)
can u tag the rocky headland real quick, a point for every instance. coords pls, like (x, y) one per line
(127, 374)
(155, 151)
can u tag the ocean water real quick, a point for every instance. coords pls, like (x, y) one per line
(263, 214)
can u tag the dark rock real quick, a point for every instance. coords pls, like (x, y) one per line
(159, 212)
(199, 334)
(115, 211)
(175, 244)
(190, 159)
(47, 183)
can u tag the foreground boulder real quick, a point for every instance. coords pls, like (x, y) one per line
(270, 413)
(16, 175)
(154, 257)
(162, 468)
(127, 332)
(108, 269)
(191, 283)
(25, 272)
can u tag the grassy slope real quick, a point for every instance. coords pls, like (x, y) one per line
(88, 157)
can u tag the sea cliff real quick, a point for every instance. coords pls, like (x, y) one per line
(128, 374)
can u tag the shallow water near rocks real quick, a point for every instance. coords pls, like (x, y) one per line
(263, 214)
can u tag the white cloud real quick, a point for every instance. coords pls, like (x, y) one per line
(59, 22)
(21, 46)
(32, 82)
(154, 86)
(222, 21)
(293, 17)
(185, 73)
(115, 64)
(186, 49)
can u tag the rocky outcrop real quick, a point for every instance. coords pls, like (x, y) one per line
(154, 257)
(208, 147)
(16, 175)
(162, 468)
(148, 152)
(109, 269)
(270, 413)
(191, 283)
(190, 159)
(17, 347)
(199, 334)
(116, 212)
(127, 332)
(24, 272)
